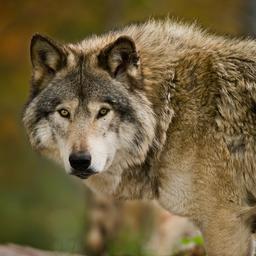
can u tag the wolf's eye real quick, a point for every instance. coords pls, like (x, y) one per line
(102, 112)
(64, 113)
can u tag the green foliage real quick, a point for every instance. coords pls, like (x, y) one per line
(195, 240)
(128, 243)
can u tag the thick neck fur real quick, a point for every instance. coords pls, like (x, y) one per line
(163, 58)
(186, 74)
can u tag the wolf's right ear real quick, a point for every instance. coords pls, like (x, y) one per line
(120, 57)
(47, 57)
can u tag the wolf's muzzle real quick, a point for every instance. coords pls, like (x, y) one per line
(80, 163)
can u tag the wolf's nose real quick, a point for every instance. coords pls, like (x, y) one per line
(80, 161)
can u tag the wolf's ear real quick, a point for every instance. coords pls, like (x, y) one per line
(46, 54)
(119, 57)
(47, 57)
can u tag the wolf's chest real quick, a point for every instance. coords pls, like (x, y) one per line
(176, 194)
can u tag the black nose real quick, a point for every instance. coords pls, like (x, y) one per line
(80, 161)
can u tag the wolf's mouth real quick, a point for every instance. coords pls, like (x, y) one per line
(83, 174)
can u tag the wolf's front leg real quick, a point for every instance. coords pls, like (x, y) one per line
(225, 234)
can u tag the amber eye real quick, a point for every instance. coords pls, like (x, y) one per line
(102, 112)
(64, 113)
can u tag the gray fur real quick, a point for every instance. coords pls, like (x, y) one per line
(182, 121)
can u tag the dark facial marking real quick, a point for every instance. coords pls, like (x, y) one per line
(46, 107)
(121, 106)
(96, 88)
(59, 90)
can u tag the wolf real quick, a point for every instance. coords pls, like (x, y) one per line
(158, 110)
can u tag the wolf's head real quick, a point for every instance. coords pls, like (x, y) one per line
(87, 108)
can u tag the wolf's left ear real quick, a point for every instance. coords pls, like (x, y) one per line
(47, 56)
(119, 57)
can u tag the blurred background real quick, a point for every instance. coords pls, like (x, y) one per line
(42, 207)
